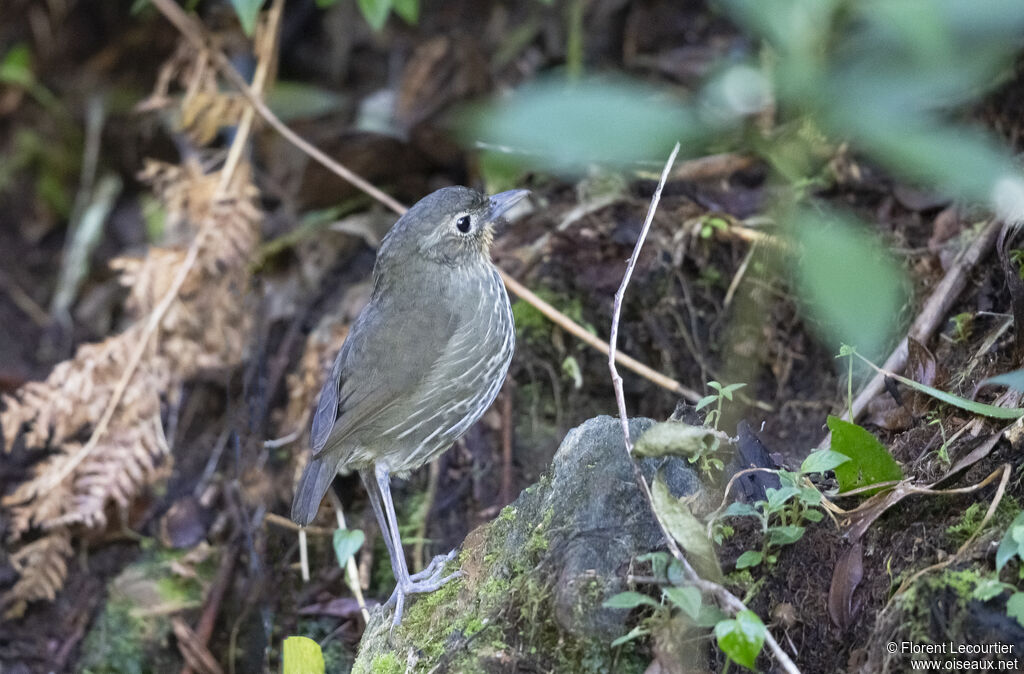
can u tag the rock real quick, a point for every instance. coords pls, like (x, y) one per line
(534, 580)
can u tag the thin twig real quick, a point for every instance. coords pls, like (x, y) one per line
(351, 572)
(613, 339)
(727, 599)
(214, 599)
(193, 32)
(285, 523)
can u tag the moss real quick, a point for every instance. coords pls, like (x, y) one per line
(386, 663)
(532, 326)
(115, 643)
(971, 518)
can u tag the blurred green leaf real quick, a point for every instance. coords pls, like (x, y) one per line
(16, 67)
(565, 126)
(247, 11)
(1014, 380)
(686, 598)
(674, 438)
(849, 282)
(629, 599)
(741, 638)
(1015, 607)
(687, 531)
(298, 100)
(409, 10)
(375, 12)
(634, 633)
(346, 543)
(301, 655)
(870, 462)
(1012, 544)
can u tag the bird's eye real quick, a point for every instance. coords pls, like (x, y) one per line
(463, 224)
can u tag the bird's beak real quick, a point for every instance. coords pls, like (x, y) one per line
(502, 202)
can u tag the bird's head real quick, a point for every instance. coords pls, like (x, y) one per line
(452, 226)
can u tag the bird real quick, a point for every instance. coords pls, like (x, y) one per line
(421, 363)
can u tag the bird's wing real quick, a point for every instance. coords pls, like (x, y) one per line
(386, 356)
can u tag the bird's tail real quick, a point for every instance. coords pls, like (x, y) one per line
(311, 489)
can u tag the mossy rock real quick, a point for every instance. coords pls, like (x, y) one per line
(534, 580)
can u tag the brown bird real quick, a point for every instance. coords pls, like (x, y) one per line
(422, 362)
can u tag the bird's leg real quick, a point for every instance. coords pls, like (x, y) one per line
(406, 584)
(370, 483)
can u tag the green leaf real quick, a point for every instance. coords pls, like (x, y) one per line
(629, 599)
(687, 531)
(409, 10)
(346, 543)
(870, 462)
(566, 126)
(324, 4)
(778, 497)
(705, 401)
(375, 12)
(749, 559)
(1014, 380)
(1009, 546)
(301, 655)
(686, 598)
(710, 616)
(785, 535)
(822, 460)
(987, 588)
(298, 100)
(674, 438)
(813, 515)
(950, 399)
(739, 509)
(659, 563)
(1015, 607)
(247, 11)
(741, 638)
(810, 496)
(849, 282)
(16, 66)
(634, 633)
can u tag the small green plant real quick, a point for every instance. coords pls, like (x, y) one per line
(721, 394)
(710, 224)
(943, 452)
(782, 515)
(963, 327)
(740, 638)
(784, 512)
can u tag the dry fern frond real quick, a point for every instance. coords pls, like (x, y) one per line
(204, 327)
(42, 565)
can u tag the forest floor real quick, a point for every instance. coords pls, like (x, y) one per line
(202, 542)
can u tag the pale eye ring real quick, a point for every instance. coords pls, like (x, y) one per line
(462, 224)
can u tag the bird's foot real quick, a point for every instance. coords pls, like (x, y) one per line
(429, 579)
